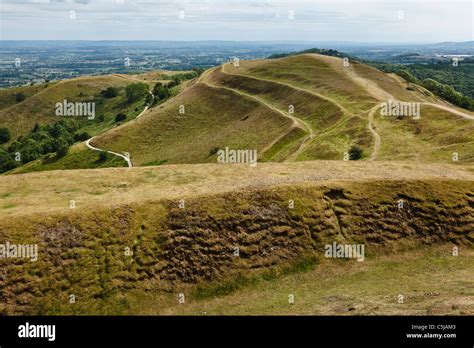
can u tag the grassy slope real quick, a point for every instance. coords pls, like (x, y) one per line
(81, 249)
(432, 281)
(317, 112)
(331, 99)
(434, 137)
(335, 81)
(213, 118)
(51, 191)
(20, 118)
(312, 72)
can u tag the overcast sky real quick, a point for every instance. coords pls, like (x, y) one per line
(243, 20)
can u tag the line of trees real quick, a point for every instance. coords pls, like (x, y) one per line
(448, 93)
(442, 90)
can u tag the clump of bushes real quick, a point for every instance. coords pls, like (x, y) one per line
(355, 153)
(110, 92)
(120, 117)
(56, 137)
(103, 156)
(19, 97)
(136, 91)
(4, 135)
(448, 93)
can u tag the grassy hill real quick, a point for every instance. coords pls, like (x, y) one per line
(190, 249)
(39, 107)
(295, 108)
(212, 118)
(327, 107)
(131, 240)
(24, 109)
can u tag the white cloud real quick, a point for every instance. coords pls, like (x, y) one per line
(341, 20)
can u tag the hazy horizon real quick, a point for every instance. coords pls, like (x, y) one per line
(251, 41)
(368, 21)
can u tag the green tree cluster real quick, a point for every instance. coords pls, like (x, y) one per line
(56, 137)
(136, 91)
(448, 93)
(161, 92)
(110, 92)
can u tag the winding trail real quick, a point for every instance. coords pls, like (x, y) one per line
(370, 86)
(450, 109)
(296, 122)
(371, 127)
(126, 158)
(335, 102)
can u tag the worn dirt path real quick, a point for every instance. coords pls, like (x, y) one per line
(296, 122)
(126, 158)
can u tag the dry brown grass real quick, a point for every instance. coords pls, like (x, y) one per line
(47, 192)
(431, 280)
(213, 118)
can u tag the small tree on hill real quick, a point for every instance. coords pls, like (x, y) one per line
(355, 153)
(4, 135)
(103, 156)
(120, 117)
(110, 92)
(82, 136)
(19, 97)
(135, 91)
(161, 92)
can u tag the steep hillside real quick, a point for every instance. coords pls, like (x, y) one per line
(212, 118)
(320, 108)
(39, 107)
(136, 238)
(29, 114)
(12, 96)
